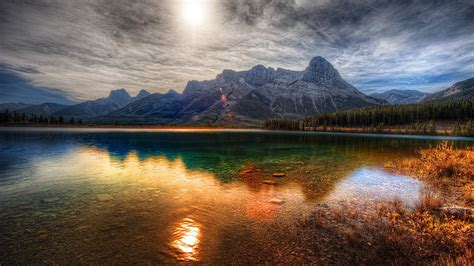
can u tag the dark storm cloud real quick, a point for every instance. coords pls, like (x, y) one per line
(85, 48)
(13, 88)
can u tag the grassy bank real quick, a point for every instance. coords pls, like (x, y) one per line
(439, 230)
(393, 130)
(446, 169)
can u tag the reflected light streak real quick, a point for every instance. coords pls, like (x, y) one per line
(186, 238)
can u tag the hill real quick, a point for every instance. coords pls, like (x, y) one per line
(401, 96)
(459, 91)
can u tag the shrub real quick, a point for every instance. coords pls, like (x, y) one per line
(442, 161)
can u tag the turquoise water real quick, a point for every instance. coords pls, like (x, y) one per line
(166, 196)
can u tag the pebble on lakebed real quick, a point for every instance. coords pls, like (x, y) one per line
(277, 201)
(104, 197)
(269, 182)
(278, 174)
(50, 200)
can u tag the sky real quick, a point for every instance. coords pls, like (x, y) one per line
(75, 50)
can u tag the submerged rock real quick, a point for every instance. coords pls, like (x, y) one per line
(50, 200)
(277, 201)
(42, 236)
(82, 227)
(278, 174)
(269, 182)
(104, 197)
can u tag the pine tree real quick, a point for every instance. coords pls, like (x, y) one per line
(468, 129)
(456, 129)
(432, 127)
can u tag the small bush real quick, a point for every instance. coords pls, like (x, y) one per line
(443, 162)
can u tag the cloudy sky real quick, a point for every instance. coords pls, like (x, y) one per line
(77, 50)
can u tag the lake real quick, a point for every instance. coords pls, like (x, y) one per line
(167, 196)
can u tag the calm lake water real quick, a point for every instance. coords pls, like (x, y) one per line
(150, 196)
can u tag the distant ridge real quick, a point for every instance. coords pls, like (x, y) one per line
(459, 91)
(401, 96)
(44, 109)
(13, 106)
(116, 99)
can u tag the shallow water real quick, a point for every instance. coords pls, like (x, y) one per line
(151, 196)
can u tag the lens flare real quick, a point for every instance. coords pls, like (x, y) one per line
(226, 105)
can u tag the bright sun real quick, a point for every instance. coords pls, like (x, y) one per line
(193, 11)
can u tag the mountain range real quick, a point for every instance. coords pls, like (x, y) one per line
(44, 109)
(244, 98)
(401, 96)
(116, 100)
(249, 97)
(14, 106)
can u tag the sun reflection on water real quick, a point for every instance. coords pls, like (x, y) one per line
(186, 238)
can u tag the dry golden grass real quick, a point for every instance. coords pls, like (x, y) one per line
(389, 234)
(450, 171)
(444, 161)
(429, 201)
(468, 193)
(444, 167)
(426, 235)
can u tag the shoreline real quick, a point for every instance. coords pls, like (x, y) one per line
(92, 126)
(386, 131)
(342, 131)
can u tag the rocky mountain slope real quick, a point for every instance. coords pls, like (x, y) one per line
(154, 108)
(459, 91)
(250, 97)
(401, 96)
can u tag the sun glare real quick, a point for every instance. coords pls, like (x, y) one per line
(193, 11)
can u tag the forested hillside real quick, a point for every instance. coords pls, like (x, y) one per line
(420, 118)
